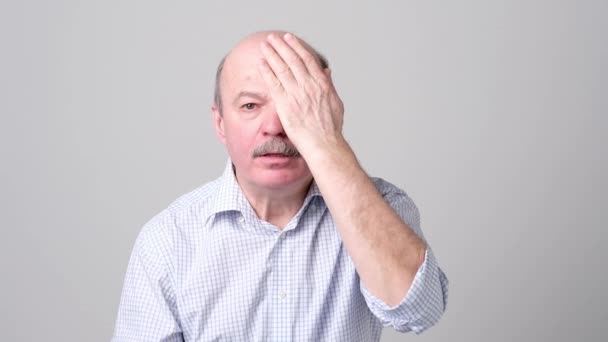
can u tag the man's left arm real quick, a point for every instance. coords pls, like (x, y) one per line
(401, 280)
(396, 267)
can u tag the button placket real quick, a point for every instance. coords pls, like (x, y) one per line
(282, 312)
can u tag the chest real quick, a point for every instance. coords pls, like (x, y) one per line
(252, 283)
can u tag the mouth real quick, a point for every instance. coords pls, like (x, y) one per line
(275, 155)
(276, 158)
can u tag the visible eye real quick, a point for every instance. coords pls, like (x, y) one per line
(249, 106)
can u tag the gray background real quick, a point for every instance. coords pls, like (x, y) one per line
(491, 115)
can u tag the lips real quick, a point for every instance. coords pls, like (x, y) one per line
(274, 155)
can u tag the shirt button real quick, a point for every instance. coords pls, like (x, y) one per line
(282, 294)
(242, 219)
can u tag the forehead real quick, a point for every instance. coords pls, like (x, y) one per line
(240, 67)
(237, 75)
(240, 70)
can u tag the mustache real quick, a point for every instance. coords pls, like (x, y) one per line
(276, 146)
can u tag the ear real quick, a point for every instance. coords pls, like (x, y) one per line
(218, 123)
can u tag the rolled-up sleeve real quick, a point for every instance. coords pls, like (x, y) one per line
(147, 310)
(423, 304)
(426, 300)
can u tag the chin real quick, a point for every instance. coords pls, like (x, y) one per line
(283, 178)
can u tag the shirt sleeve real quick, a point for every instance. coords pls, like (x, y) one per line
(426, 300)
(147, 310)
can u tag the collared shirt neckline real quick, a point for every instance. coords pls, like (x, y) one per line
(230, 197)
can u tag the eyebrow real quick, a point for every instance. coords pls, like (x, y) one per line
(252, 94)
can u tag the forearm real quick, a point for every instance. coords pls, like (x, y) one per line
(385, 250)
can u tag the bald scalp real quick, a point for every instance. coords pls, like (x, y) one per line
(217, 94)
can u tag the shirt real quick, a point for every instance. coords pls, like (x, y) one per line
(208, 269)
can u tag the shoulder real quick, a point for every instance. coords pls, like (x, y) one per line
(187, 212)
(394, 195)
(388, 189)
(400, 201)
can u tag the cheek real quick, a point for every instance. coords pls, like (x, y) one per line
(240, 139)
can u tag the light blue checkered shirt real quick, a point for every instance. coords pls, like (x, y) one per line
(207, 269)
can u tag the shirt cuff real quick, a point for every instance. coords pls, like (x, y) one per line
(423, 304)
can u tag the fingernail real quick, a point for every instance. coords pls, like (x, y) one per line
(288, 36)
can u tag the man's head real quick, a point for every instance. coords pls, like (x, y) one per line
(246, 121)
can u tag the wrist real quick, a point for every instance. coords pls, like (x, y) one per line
(332, 153)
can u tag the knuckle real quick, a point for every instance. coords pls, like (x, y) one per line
(309, 87)
(324, 86)
(283, 71)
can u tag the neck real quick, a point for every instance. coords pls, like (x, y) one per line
(276, 205)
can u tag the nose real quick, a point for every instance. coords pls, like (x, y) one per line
(272, 125)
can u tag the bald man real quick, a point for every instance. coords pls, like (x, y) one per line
(294, 242)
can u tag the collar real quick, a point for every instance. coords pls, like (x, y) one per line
(230, 197)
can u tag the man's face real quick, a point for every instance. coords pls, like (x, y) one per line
(248, 123)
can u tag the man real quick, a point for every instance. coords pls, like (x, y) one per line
(294, 241)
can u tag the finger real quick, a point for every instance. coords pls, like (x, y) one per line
(278, 66)
(271, 80)
(290, 57)
(310, 60)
